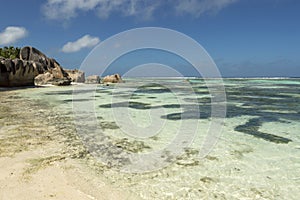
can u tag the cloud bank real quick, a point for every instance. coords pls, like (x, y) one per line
(86, 41)
(143, 9)
(12, 34)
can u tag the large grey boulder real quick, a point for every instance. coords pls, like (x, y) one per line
(43, 79)
(94, 79)
(32, 62)
(49, 64)
(116, 78)
(48, 78)
(16, 72)
(76, 75)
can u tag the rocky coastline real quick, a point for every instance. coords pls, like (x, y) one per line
(31, 67)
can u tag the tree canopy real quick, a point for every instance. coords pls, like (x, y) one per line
(10, 52)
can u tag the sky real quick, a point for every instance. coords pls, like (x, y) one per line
(245, 38)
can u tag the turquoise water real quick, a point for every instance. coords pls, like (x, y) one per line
(256, 155)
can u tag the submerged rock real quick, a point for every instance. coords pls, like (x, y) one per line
(188, 158)
(131, 146)
(252, 128)
(131, 104)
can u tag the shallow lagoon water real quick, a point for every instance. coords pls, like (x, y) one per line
(257, 156)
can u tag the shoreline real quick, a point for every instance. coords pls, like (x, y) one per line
(42, 160)
(152, 79)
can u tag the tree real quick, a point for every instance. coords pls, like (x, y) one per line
(10, 52)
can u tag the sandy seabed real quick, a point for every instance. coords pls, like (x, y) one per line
(256, 157)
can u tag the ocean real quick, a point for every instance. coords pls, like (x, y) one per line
(179, 138)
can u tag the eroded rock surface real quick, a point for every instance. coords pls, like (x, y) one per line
(32, 62)
(94, 79)
(76, 75)
(116, 78)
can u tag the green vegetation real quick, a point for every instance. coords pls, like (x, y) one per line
(10, 52)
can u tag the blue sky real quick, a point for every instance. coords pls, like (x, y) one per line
(244, 37)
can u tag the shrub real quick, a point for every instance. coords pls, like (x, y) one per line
(10, 52)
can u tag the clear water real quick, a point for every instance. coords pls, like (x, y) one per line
(257, 155)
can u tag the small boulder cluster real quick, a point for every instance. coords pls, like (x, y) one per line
(95, 79)
(32, 67)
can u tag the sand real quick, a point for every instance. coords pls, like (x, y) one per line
(39, 159)
(67, 179)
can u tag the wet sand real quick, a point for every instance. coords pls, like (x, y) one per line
(40, 159)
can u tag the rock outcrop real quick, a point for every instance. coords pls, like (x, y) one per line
(32, 62)
(94, 79)
(43, 79)
(76, 75)
(48, 78)
(17, 72)
(116, 78)
(48, 65)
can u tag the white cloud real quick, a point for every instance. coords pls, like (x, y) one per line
(56, 9)
(12, 34)
(85, 42)
(199, 7)
(142, 9)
